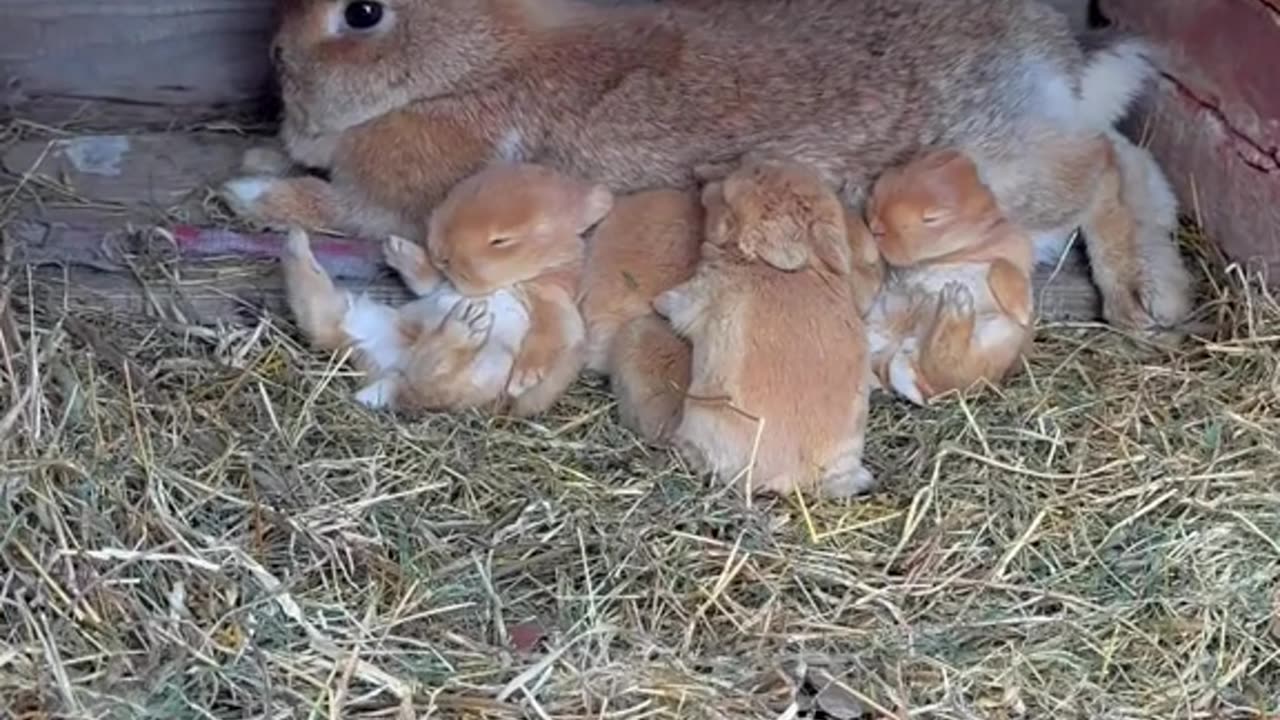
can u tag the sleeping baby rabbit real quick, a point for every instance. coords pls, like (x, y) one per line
(955, 307)
(495, 320)
(648, 244)
(780, 370)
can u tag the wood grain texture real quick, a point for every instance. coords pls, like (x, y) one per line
(172, 52)
(147, 171)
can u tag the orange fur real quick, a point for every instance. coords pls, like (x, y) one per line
(496, 322)
(779, 348)
(648, 244)
(956, 307)
(866, 266)
(644, 95)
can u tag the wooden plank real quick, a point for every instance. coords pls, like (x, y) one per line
(174, 52)
(1214, 121)
(146, 173)
(207, 276)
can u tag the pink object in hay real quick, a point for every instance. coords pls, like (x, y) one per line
(340, 257)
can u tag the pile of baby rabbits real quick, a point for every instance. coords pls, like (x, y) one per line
(745, 323)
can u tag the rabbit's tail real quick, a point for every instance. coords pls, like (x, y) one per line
(1117, 68)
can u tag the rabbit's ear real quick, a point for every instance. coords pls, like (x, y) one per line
(776, 239)
(595, 205)
(830, 241)
(780, 245)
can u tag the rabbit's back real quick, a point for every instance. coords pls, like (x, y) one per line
(851, 86)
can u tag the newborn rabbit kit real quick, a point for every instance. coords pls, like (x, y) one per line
(780, 372)
(495, 323)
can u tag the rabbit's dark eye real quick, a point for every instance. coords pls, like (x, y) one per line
(363, 15)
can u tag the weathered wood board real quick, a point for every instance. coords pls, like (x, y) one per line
(1214, 121)
(148, 172)
(172, 52)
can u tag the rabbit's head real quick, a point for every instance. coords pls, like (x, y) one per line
(511, 223)
(344, 62)
(779, 212)
(933, 206)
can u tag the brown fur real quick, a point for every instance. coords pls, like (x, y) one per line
(956, 308)
(641, 96)
(778, 346)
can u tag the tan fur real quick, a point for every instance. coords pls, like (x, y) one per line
(649, 367)
(956, 307)
(778, 344)
(866, 265)
(648, 244)
(643, 95)
(504, 256)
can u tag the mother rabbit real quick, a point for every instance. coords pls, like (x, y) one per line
(400, 99)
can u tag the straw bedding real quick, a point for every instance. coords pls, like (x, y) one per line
(197, 522)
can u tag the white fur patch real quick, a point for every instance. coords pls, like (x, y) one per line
(1052, 94)
(375, 330)
(511, 147)
(1111, 81)
(1049, 245)
(902, 377)
(510, 326)
(245, 192)
(995, 331)
(378, 394)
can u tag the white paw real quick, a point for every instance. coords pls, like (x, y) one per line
(265, 161)
(859, 481)
(677, 306)
(902, 377)
(298, 243)
(401, 253)
(523, 381)
(242, 194)
(297, 252)
(377, 395)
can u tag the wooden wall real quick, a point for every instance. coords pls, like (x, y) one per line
(1214, 119)
(165, 52)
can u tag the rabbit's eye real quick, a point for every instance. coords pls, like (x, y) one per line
(499, 242)
(363, 15)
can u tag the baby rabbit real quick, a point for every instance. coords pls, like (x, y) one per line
(495, 320)
(648, 244)
(956, 305)
(780, 370)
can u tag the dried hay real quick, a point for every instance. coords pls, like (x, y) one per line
(197, 522)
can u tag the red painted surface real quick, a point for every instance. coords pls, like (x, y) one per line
(1214, 123)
